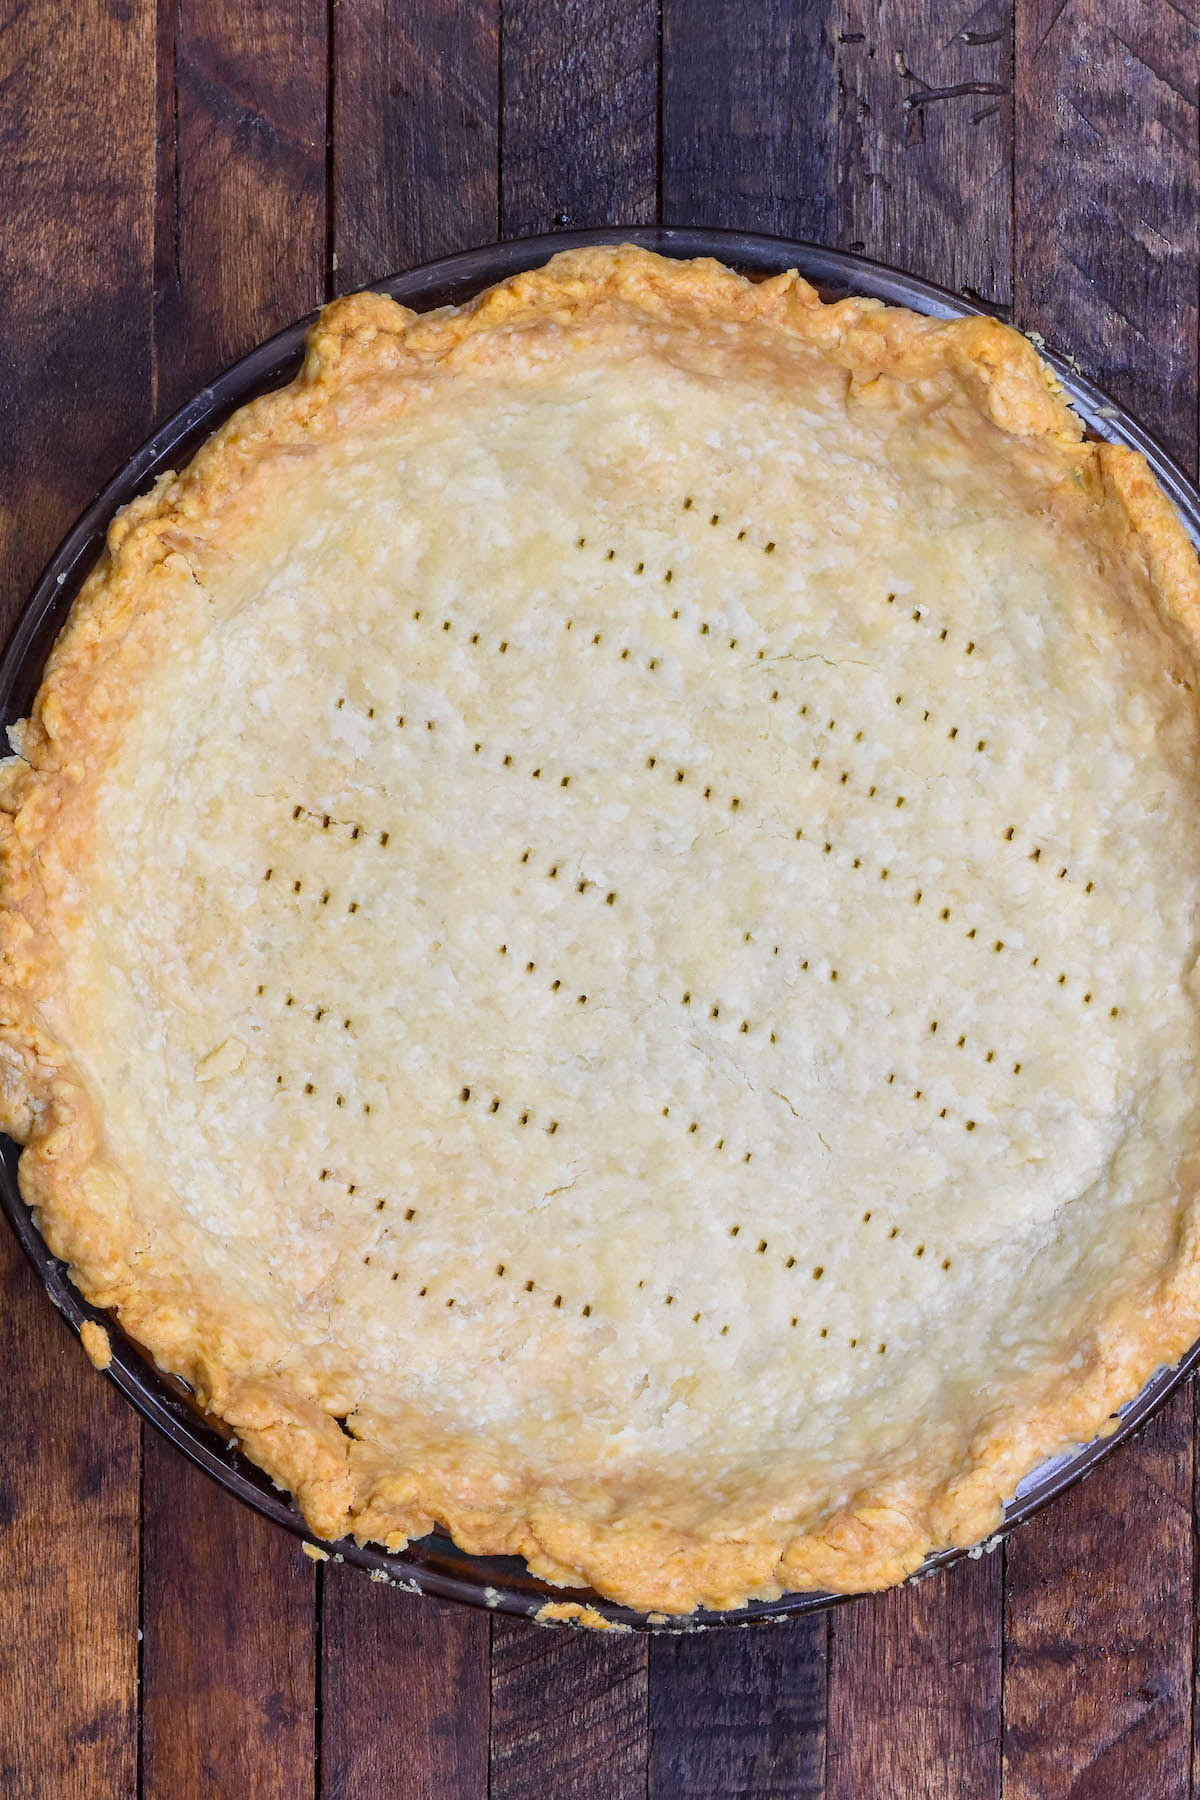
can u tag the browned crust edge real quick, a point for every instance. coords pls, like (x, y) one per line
(344, 1485)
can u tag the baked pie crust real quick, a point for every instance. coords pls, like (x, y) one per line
(600, 929)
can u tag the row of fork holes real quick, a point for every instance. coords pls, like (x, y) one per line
(828, 847)
(917, 615)
(298, 888)
(351, 1187)
(734, 803)
(653, 663)
(746, 1028)
(356, 833)
(496, 1105)
(525, 1116)
(584, 884)
(309, 1090)
(318, 1012)
(845, 779)
(714, 1008)
(714, 1013)
(818, 1269)
(586, 1310)
(767, 546)
(680, 776)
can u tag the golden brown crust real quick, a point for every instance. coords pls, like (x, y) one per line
(358, 352)
(96, 1343)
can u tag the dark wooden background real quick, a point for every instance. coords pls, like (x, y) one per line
(175, 183)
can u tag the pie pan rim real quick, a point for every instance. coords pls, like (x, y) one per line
(144, 1386)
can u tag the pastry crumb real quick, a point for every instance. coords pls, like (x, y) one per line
(314, 1552)
(97, 1343)
(570, 1612)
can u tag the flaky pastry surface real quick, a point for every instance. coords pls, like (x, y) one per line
(600, 926)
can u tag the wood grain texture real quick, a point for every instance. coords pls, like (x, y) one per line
(404, 1694)
(240, 228)
(228, 1655)
(1107, 197)
(914, 1690)
(75, 322)
(414, 119)
(68, 1560)
(76, 229)
(568, 1713)
(580, 108)
(1099, 1617)
(925, 138)
(739, 1714)
(749, 117)
(1097, 1673)
(229, 1672)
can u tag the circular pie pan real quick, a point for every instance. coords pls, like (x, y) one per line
(434, 1565)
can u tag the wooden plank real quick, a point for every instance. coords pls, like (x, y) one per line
(580, 86)
(568, 1713)
(1098, 1670)
(749, 118)
(1107, 196)
(414, 124)
(228, 1650)
(914, 1690)
(241, 229)
(68, 1560)
(739, 1714)
(1097, 1673)
(77, 233)
(229, 1672)
(924, 160)
(76, 237)
(418, 1665)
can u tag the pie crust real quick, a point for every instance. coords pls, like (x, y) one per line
(599, 929)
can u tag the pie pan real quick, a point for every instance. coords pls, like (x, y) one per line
(434, 1564)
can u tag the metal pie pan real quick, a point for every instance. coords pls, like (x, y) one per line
(435, 1565)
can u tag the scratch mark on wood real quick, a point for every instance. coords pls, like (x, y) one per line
(1135, 55)
(1045, 37)
(929, 95)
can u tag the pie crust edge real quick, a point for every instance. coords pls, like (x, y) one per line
(343, 1484)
